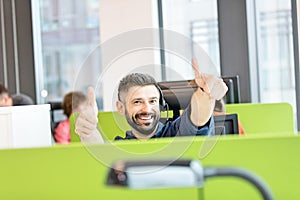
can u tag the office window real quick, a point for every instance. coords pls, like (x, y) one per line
(197, 20)
(275, 51)
(205, 33)
(68, 31)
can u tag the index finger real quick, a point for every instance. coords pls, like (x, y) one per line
(199, 78)
(195, 68)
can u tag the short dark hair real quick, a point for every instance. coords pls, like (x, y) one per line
(71, 101)
(134, 79)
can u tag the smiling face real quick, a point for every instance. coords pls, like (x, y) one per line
(140, 105)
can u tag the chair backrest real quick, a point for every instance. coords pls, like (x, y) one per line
(233, 93)
(264, 117)
(177, 94)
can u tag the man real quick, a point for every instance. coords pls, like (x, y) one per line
(13, 100)
(139, 98)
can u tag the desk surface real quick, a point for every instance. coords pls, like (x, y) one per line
(72, 172)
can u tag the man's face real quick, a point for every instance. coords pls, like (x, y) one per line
(142, 109)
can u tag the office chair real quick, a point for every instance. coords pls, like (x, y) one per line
(233, 94)
(177, 95)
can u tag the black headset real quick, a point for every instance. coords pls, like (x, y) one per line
(162, 102)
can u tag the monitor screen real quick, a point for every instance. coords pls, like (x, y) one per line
(226, 124)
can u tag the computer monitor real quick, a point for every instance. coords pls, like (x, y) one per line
(226, 124)
(56, 114)
(233, 93)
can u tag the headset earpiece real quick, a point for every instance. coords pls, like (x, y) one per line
(162, 102)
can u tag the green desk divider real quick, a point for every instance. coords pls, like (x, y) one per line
(255, 118)
(111, 124)
(72, 172)
(264, 117)
(73, 136)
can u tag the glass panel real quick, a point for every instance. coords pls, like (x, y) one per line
(195, 19)
(69, 30)
(275, 51)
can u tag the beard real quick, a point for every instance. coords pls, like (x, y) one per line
(142, 126)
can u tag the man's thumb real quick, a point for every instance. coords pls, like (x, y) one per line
(91, 96)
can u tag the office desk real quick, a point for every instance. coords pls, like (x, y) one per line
(72, 172)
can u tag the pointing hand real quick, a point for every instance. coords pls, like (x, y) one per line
(210, 84)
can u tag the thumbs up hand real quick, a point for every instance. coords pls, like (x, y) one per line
(86, 123)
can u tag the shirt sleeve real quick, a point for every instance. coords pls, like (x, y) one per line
(187, 128)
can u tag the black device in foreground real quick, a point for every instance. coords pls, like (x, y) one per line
(156, 174)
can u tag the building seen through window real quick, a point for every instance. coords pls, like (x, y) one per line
(275, 51)
(69, 32)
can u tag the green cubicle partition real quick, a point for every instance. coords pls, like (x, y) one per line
(264, 117)
(77, 172)
(110, 124)
(255, 117)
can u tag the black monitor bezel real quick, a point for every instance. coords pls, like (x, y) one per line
(222, 119)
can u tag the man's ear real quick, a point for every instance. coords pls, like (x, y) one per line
(120, 107)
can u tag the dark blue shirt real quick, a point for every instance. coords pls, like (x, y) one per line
(182, 126)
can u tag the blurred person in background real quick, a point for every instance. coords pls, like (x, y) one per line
(73, 102)
(13, 100)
